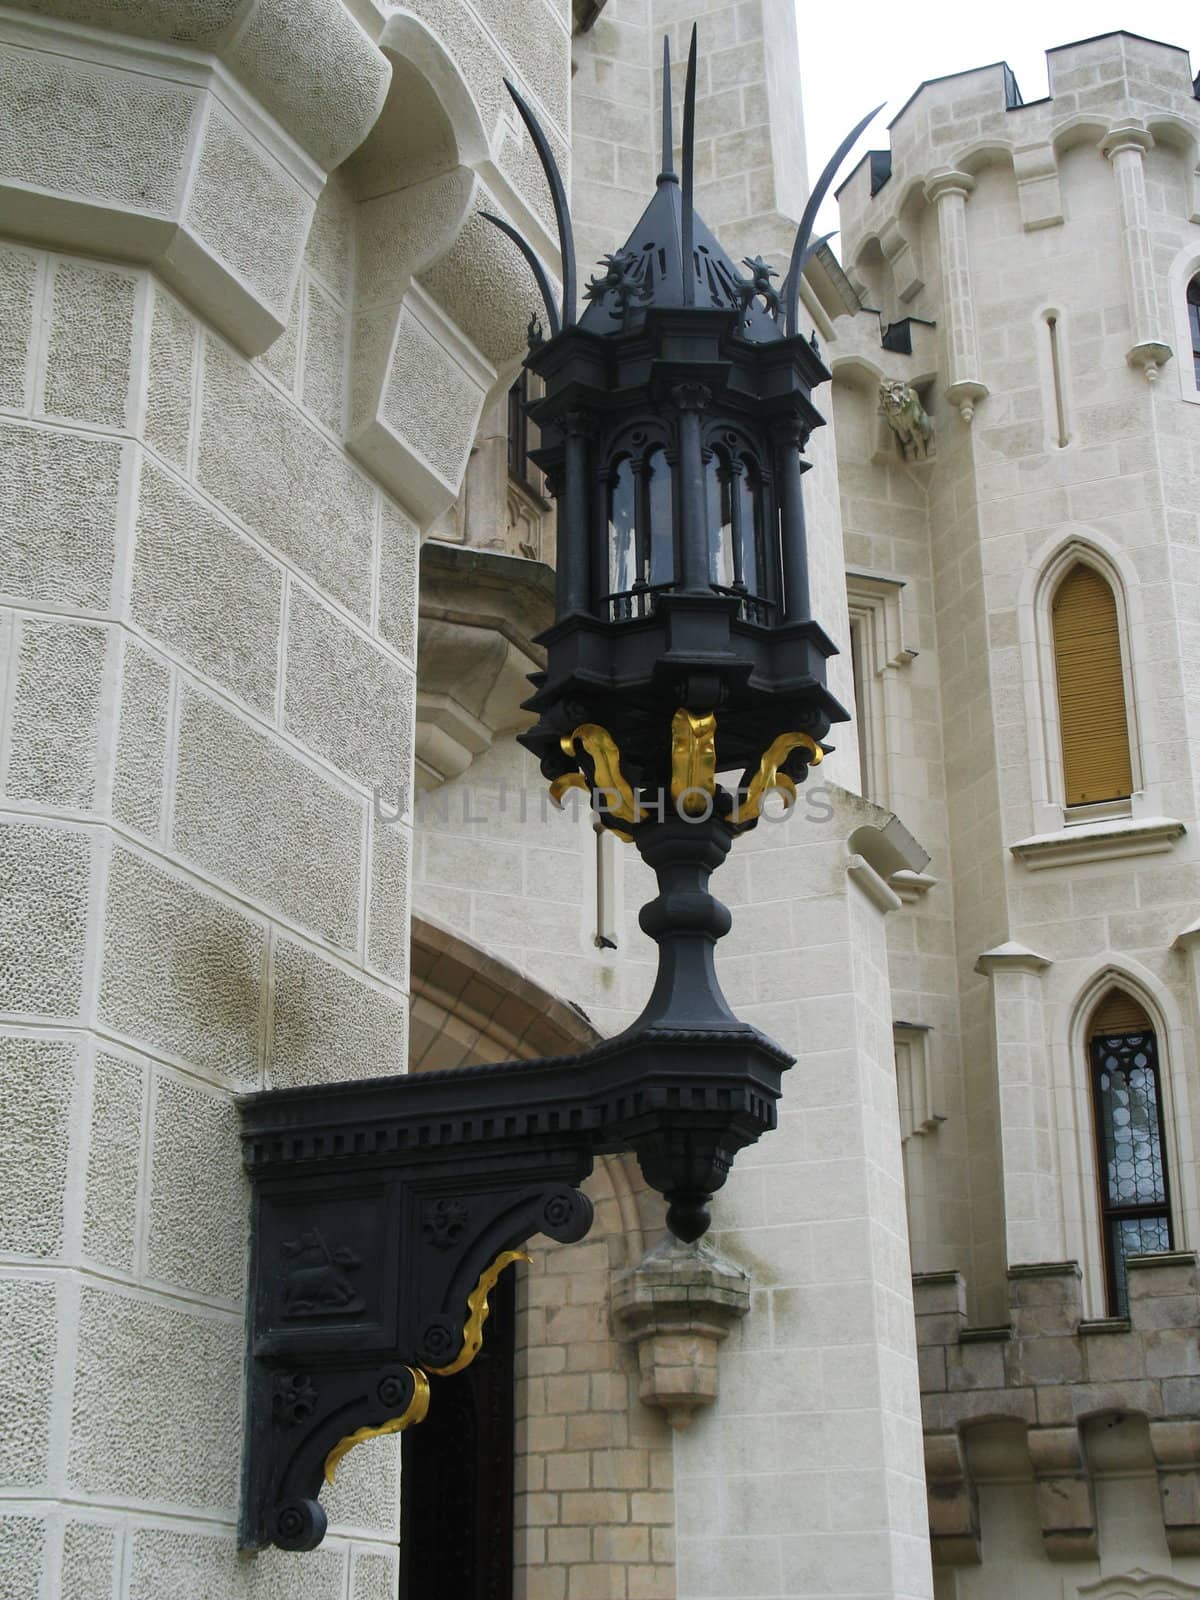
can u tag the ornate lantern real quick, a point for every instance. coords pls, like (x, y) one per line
(684, 652)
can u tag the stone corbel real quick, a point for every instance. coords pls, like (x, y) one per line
(479, 613)
(676, 1307)
(1065, 1502)
(1039, 192)
(953, 1502)
(1176, 1446)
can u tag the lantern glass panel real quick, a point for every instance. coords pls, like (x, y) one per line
(749, 488)
(622, 513)
(661, 502)
(720, 519)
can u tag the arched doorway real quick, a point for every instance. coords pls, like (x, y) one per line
(458, 1482)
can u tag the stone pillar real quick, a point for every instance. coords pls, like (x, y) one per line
(1033, 1222)
(948, 191)
(1125, 146)
(810, 1461)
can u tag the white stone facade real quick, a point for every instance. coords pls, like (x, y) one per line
(255, 344)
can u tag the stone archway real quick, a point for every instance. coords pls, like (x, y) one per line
(593, 1475)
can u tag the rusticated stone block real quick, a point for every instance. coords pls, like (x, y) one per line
(58, 510)
(155, 1410)
(54, 742)
(1044, 1360)
(90, 347)
(203, 589)
(182, 970)
(37, 1085)
(250, 812)
(44, 876)
(28, 1344)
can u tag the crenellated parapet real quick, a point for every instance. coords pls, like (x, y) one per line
(1056, 1382)
(1119, 94)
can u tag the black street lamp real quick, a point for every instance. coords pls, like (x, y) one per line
(674, 418)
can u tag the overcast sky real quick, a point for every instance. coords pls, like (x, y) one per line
(852, 56)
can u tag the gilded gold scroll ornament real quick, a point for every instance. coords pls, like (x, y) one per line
(693, 762)
(606, 770)
(769, 777)
(569, 780)
(477, 1313)
(416, 1411)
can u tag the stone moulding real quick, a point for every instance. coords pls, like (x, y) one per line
(676, 1307)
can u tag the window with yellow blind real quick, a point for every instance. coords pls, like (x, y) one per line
(1091, 689)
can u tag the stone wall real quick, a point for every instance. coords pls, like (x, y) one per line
(239, 373)
(995, 217)
(1074, 1414)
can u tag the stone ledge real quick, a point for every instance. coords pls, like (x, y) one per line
(1099, 841)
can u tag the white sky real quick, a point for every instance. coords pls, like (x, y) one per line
(852, 56)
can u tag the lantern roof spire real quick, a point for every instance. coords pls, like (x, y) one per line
(672, 259)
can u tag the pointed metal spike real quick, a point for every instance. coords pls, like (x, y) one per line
(688, 221)
(819, 191)
(667, 170)
(541, 276)
(558, 193)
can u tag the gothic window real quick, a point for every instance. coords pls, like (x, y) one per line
(1091, 689)
(641, 528)
(1193, 305)
(737, 506)
(1135, 1217)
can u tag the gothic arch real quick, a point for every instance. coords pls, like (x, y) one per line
(1183, 272)
(1087, 547)
(1070, 1018)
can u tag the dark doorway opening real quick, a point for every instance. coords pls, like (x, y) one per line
(456, 1519)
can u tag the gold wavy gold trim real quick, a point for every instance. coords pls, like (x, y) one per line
(693, 761)
(606, 768)
(417, 1411)
(769, 777)
(569, 780)
(477, 1309)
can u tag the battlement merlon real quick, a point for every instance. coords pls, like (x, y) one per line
(971, 119)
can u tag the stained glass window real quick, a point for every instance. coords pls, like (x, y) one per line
(1134, 1194)
(1193, 301)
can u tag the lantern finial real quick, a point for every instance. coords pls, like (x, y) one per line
(667, 170)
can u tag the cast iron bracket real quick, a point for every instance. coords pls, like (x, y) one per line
(384, 1210)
